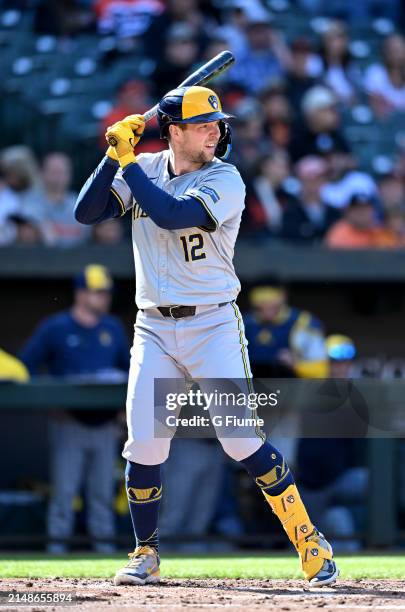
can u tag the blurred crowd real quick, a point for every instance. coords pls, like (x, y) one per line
(292, 100)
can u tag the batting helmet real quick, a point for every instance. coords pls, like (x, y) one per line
(195, 105)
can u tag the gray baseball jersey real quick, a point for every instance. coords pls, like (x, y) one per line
(190, 266)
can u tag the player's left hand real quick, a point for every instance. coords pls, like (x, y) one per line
(126, 134)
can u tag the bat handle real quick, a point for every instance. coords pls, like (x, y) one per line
(149, 114)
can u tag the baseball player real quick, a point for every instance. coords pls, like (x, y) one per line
(186, 208)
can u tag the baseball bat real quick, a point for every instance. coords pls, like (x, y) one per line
(201, 76)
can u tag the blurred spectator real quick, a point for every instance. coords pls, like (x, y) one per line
(200, 17)
(108, 232)
(266, 196)
(21, 175)
(233, 28)
(63, 18)
(385, 83)
(180, 53)
(320, 131)
(283, 339)
(265, 58)
(27, 230)
(8, 206)
(345, 181)
(133, 97)
(126, 19)
(85, 344)
(357, 13)
(250, 143)
(303, 68)
(53, 203)
(308, 218)
(339, 72)
(394, 224)
(12, 369)
(277, 116)
(391, 189)
(333, 490)
(358, 228)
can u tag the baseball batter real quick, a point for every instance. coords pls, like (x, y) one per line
(186, 205)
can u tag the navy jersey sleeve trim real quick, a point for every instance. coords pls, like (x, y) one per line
(95, 201)
(167, 211)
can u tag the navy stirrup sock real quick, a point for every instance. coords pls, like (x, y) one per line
(144, 490)
(269, 469)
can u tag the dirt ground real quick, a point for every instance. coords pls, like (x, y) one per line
(234, 595)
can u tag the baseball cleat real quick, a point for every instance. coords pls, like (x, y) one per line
(142, 567)
(328, 573)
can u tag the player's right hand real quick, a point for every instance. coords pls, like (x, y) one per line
(137, 125)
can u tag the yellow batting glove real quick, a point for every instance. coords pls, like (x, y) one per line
(120, 137)
(137, 125)
(123, 136)
(111, 153)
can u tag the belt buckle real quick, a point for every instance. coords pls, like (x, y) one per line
(171, 313)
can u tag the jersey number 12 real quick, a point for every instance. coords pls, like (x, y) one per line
(192, 245)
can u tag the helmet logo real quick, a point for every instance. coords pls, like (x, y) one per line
(213, 100)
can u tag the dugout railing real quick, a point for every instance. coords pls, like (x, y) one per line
(381, 527)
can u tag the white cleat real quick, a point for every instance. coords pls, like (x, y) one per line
(327, 575)
(142, 567)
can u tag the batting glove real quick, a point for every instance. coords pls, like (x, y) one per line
(123, 136)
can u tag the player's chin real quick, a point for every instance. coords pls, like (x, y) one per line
(209, 153)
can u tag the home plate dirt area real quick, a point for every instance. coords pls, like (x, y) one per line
(212, 594)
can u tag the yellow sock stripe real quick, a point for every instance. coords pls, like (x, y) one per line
(258, 431)
(264, 489)
(120, 202)
(207, 209)
(144, 501)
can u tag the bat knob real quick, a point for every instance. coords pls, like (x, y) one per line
(112, 141)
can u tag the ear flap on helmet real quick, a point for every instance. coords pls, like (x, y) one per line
(224, 145)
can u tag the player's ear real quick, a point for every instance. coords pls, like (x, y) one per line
(174, 131)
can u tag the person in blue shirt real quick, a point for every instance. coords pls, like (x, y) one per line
(84, 343)
(283, 341)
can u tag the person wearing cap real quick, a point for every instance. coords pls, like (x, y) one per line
(188, 321)
(359, 229)
(87, 344)
(341, 353)
(283, 340)
(319, 132)
(335, 491)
